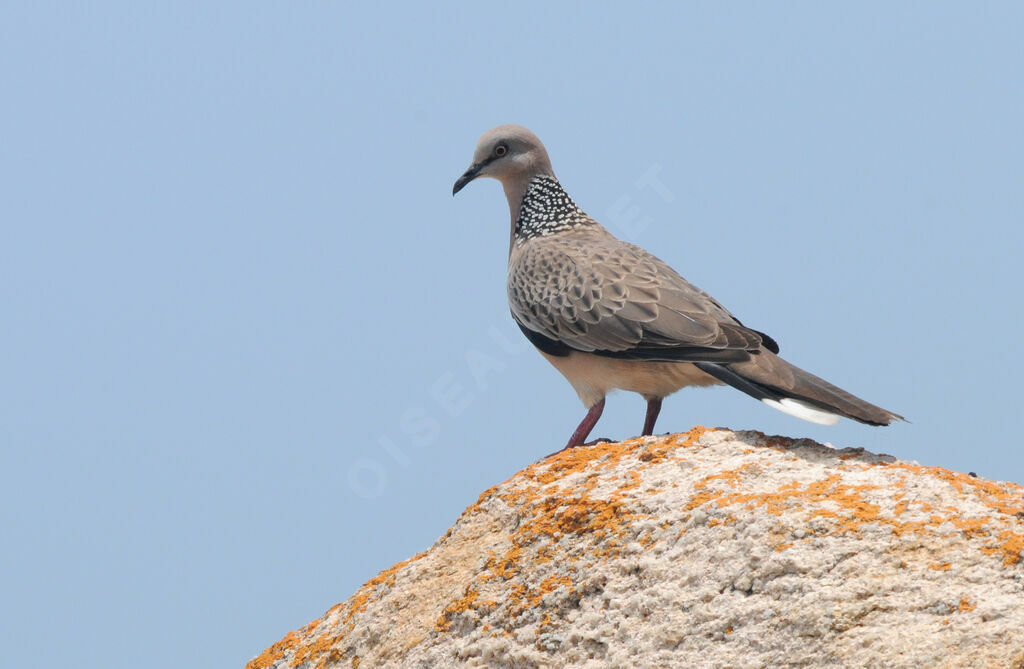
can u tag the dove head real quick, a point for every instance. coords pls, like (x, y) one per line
(511, 154)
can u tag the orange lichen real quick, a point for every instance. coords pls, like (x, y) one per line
(942, 566)
(851, 510)
(271, 655)
(469, 596)
(730, 477)
(474, 507)
(658, 451)
(321, 647)
(967, 605)
(550, 584)
(1010, 543)
(830, 489)
(1006, 498)
(634, 481)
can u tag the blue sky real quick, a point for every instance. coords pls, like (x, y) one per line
(254, 352)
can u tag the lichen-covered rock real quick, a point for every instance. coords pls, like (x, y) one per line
(707, 549)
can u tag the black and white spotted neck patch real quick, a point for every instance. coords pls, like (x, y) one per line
(546, 210)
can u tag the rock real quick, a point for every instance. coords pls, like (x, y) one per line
(707, 549)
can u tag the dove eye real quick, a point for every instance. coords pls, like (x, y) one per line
(500, 150)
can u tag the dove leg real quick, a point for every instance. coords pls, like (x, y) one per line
(586, 425)
(653, 409)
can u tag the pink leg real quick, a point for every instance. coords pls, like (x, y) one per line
(653, 409)
(588, 423)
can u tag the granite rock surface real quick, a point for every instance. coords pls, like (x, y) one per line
(710, 548)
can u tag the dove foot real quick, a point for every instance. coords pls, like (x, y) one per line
(592, 442)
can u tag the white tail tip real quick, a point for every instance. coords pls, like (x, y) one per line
(803, 411)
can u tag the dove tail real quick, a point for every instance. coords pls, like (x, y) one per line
(791, 390)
